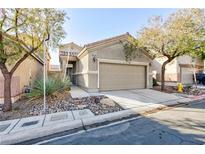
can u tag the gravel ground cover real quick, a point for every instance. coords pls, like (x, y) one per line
(58, 102)
(188, 90)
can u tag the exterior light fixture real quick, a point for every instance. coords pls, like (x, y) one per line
(94, 58)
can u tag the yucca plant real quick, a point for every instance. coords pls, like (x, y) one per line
(52, 85)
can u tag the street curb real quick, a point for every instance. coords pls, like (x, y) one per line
(32, 134)
(110, 117)
(18, 137)
(85, 123)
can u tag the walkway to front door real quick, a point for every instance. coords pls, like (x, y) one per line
(77, 92)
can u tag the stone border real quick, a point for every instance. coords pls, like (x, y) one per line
(83, 123)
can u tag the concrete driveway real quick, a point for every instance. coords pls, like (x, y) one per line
(138, 98)
(143, 97)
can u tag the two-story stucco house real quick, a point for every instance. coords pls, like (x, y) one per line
(101, 65)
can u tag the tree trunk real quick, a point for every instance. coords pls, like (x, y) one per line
(7, 93)
(7, 87)
(163, 73)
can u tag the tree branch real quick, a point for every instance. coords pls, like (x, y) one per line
(16, 26)
(23, 45)
(16, 23)
(164, 53)
(175, 53)
(4, 18)
(25, 56)
(3, 68)
(19, 62)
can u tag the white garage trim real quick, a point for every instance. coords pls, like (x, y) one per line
(86, 72)
(123, 62)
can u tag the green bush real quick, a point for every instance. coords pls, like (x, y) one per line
(52, 85)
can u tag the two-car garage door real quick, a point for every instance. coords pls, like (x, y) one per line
(121, 76)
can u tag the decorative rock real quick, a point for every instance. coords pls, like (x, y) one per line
(97, 104)
(193, 91)
(107, 101)
(81, 106)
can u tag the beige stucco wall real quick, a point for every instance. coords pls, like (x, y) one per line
(90, 68)
(82, 64)
(82, 80)
(171, 69)
(82, 72)
(93, 80)
(114, 52)
(30, 67)
(188, 60)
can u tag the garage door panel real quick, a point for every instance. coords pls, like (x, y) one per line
(121, 76)
(186, 75)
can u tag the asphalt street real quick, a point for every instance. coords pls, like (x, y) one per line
(181, 125)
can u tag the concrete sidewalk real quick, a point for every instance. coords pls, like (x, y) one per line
(77, 92)
(21, 130)
(18, 130)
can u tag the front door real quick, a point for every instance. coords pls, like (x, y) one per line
(70, 74)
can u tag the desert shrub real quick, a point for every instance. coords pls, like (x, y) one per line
(52, 85)
(154, 82)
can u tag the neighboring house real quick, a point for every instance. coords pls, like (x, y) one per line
(54, 68)
(24, 76)
(179, 70)
(101, 65)
(55, 71)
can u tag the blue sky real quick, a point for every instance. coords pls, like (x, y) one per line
(89, 25)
